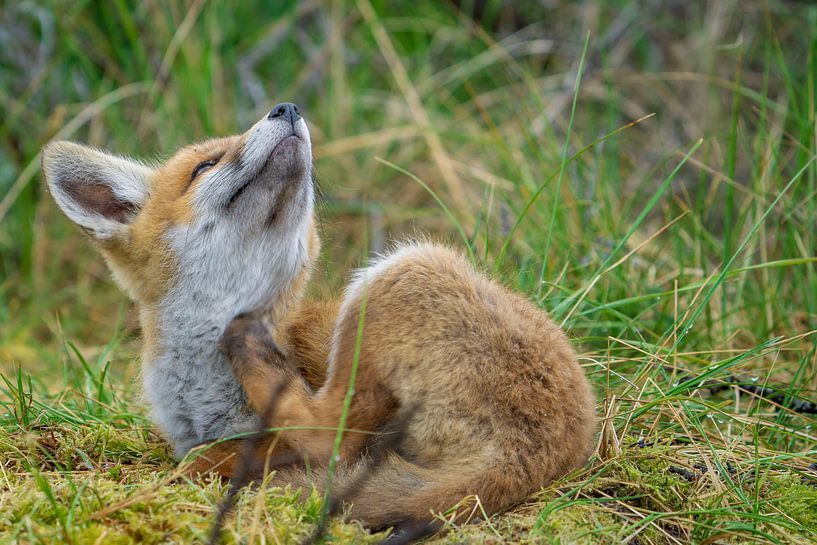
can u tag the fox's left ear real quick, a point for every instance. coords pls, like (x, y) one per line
(98, 191)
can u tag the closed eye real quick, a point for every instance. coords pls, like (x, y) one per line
(203, 167)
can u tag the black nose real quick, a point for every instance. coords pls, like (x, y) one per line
(285, 110)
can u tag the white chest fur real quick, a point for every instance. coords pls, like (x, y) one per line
(190, 386)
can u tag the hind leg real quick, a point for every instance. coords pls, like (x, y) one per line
(279, 393)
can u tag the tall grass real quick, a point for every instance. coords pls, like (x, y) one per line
(644, 171)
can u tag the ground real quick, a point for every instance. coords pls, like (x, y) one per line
(645, 172)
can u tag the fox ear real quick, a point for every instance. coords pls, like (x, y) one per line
(100, 192)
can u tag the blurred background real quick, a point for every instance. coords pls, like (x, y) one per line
(643, 170)
(547, 135)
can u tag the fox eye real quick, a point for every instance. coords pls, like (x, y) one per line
(202, 167)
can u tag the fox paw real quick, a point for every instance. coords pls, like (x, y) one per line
(248, 339)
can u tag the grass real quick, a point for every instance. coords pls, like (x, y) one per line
(644, 172)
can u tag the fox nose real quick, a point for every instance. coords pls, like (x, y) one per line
(285, 110)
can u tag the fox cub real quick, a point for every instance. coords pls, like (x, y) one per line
(491, 397)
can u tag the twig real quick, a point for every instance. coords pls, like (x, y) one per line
(775, 394)
(246, 463)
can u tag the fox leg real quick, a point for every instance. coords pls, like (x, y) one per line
(279, 393)
(223, 458)
(258, 363)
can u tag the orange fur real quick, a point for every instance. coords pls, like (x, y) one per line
(493, 401)
(499, 405)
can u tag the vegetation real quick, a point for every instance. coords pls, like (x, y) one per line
(646, 172)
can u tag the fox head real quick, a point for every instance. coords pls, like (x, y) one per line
(224, 226)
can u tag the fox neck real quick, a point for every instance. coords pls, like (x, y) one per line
(193, 330)
(189, 384)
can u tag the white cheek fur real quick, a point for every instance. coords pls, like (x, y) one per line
(217, 185)
(225, 270)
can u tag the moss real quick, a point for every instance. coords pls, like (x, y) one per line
(44, 506)
(101, 533)
(645, 475)
(181, 512)
(92, 445)
(580, 524)
(796, 499)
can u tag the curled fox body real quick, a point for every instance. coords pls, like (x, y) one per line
(491, 397)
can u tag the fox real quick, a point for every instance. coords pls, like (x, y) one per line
(216, 247)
